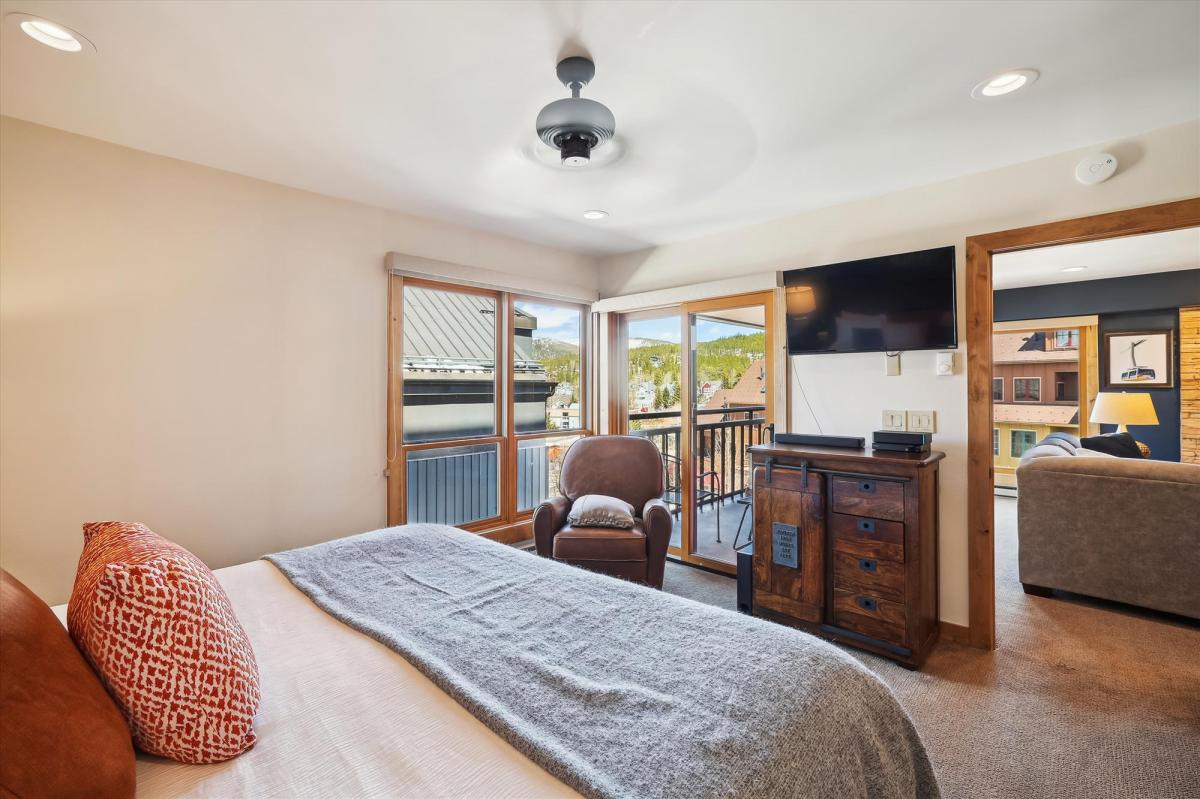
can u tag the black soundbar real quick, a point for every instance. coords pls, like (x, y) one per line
(808, 440)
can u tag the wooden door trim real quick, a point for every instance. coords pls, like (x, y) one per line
(981, 564)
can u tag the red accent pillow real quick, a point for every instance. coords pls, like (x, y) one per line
(160, 631)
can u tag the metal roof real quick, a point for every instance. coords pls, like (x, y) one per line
(452, 331)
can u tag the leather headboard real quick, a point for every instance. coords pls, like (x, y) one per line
(625, 467)
(60, 732)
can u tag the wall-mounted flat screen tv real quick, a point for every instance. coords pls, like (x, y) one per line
(887, 304)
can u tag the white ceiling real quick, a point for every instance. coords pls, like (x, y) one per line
(1132, 255)
(727, 112)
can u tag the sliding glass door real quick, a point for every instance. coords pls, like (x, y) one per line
(486, 392)
(730, 389)
(654, 394)
(698, 382)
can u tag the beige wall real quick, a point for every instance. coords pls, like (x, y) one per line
(848, 392)
(206, 353)
(197, 350)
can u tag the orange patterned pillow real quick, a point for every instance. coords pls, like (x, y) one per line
(159, 630)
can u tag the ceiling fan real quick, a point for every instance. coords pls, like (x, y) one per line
(573, 125)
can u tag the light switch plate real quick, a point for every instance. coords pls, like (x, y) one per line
(922, 422)
(894, 420)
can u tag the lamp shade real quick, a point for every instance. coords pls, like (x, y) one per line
(1124, 408)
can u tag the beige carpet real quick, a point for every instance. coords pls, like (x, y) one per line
(1081, 699)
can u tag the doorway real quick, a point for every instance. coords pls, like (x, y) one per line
(697, 382)
(980, 422)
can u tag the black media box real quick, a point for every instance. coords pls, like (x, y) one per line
(900, 441)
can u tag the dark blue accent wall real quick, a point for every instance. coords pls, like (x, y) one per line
(1137, 302)
(1113, 295)
(1163, 438)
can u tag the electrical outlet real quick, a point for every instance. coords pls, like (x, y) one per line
(894, 420)
(922, 422)
(891, 364)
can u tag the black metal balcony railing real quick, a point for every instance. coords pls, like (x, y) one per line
(719, 447)
(459, 485)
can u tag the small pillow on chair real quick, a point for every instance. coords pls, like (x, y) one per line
(597, 510)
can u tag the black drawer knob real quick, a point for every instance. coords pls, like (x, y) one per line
(866, 486)
(866, 525)
(866, 602)
(868, 565)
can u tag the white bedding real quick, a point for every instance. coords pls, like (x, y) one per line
(343, 716)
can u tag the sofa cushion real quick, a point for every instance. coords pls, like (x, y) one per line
(159, 630)
(1066, 441)
(601, 543)
(1122, 445)
(60, 732)
(597, 510)
(1045, 451)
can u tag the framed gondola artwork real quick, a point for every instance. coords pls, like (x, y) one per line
(1139, 359)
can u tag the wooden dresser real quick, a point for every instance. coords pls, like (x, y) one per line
(845, 545)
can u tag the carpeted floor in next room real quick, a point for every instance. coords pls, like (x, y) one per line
(1082, 699)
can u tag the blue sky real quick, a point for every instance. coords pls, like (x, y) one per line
(556, 322)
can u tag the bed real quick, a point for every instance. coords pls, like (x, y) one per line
(343, 714)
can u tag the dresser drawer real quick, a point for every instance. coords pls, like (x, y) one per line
(867, 575)
(871, 627)
(867, 538)
(863, 612)
(880, 499)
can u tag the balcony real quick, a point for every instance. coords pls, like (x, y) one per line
(722, 467)
(458, 485)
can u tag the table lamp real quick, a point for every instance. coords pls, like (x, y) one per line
(1123, 408)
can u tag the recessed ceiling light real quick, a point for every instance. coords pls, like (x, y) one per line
(1074, 268)
(52, 34)
(1005, 83)
(595, 213)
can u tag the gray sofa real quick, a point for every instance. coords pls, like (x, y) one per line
(1123, 529)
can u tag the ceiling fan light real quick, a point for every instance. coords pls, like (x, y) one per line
(575, 150)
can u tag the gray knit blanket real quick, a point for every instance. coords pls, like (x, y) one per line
(617, 689)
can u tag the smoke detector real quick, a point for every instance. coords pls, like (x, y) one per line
(573, 125)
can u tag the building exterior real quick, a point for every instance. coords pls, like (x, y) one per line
(1035, 392)
(449, 361)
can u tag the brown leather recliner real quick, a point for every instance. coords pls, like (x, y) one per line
(626, 467)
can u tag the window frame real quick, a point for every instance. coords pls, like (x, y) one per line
(1012, 440)
(505, 436)
(1072, 334)
(585, 420)
(999, 380)
(995, 442)
(1037, 380)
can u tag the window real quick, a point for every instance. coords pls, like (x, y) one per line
(997, 389)
(487, 391)
(995, 441)
(449, 362)
(1066, 386)
(1066, 339)
(1027, 389)
(1022, 440)
(548, 366)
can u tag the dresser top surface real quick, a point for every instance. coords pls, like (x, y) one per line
(848, 454)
